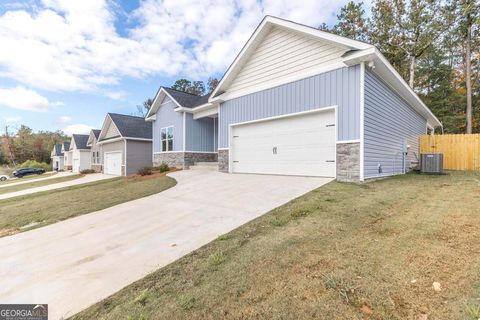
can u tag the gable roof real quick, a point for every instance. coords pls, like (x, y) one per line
(131, 126)
(94, 133)
(180, 98)
(66, 145)
(358, 52)
(80, 141)
(57, 150)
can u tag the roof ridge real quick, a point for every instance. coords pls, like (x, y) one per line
(125, 115)
(195, 95)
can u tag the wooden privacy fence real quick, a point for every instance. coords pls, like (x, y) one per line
(460, 151)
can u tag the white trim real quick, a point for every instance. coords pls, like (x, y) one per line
(324, 109)
(110, 140)
(162, 89)
(362, 121)
(137, 139)
(184, 138)
(126, 153)
(348, 141)
(269, 22)
(166, 138)
(286, 115)
(272, 84)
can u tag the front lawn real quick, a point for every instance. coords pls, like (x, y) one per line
(39, 209)
(35, 184)
(343, 251)
(29, 178)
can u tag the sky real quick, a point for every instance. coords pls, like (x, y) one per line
(65, 63)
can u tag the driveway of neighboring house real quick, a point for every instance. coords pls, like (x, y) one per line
(86, 179)
(26, 180)
(75, 263)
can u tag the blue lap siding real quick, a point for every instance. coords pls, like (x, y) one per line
(338, 87)
(390, 123)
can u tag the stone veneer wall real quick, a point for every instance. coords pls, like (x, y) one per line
(183, 159)
(97, 167)
(223, 160)
(348, 162)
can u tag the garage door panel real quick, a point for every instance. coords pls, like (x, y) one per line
(113, 163)
(297, 145)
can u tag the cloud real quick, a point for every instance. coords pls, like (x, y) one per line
(77, 129)
(116, 95)
(75, 45)
(23, 98)
(12, 120)
(63, 120)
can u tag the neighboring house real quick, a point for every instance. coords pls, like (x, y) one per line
(126, 144)
(180, 138)
(298, 101)
(67, 156)
(57, 158)
(80, 153)
(95, 149)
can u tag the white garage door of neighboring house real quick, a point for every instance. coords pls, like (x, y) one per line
(76, 165)
(295, 145)
(113, 163)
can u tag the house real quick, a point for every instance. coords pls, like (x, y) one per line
(95, 149)
(180, 138)
(57, 158)
(126, 144)
(297, 101)
(67, 156)
(80, 153)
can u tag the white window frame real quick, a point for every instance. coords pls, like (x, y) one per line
(166, 138)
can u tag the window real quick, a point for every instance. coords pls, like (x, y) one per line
(167, 139)
(93, 158)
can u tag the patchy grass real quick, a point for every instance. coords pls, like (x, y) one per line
(35, 184)
(39, 209)
(343, 251)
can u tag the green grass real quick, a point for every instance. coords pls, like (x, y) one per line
(39, 209)
(35, 184)
(343, 251)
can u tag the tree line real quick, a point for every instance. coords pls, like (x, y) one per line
(434, 45)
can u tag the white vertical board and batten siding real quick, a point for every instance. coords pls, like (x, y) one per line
(283, 55)
(389, 122)
(338, 87)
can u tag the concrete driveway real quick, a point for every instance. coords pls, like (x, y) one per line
(86, 179)
(75, 263)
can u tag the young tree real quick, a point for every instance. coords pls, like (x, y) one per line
(195, 87)
(351, 22)
(409, 28)
(212, 83)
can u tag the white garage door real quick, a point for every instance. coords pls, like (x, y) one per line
(295, 145)
(113, 163)
(76, 165)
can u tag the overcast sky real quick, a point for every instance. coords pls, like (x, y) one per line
(65, 63)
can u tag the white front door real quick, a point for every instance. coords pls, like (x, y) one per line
(113, 163)
(76, 165)
(294, 145)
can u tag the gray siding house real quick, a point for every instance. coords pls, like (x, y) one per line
(57, 157)
(124, 144)
(297, 101)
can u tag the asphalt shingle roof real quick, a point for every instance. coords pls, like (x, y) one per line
(187, 100)
(66, 145)
(131, 126)
(96, 132)
(58, 149)
(80, 141)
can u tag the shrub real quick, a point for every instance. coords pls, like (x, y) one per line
(163, 167)
(145, 171)
(87, 171)
(35, 164)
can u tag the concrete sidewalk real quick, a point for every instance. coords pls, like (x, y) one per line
(72, 264)
(88, 178)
